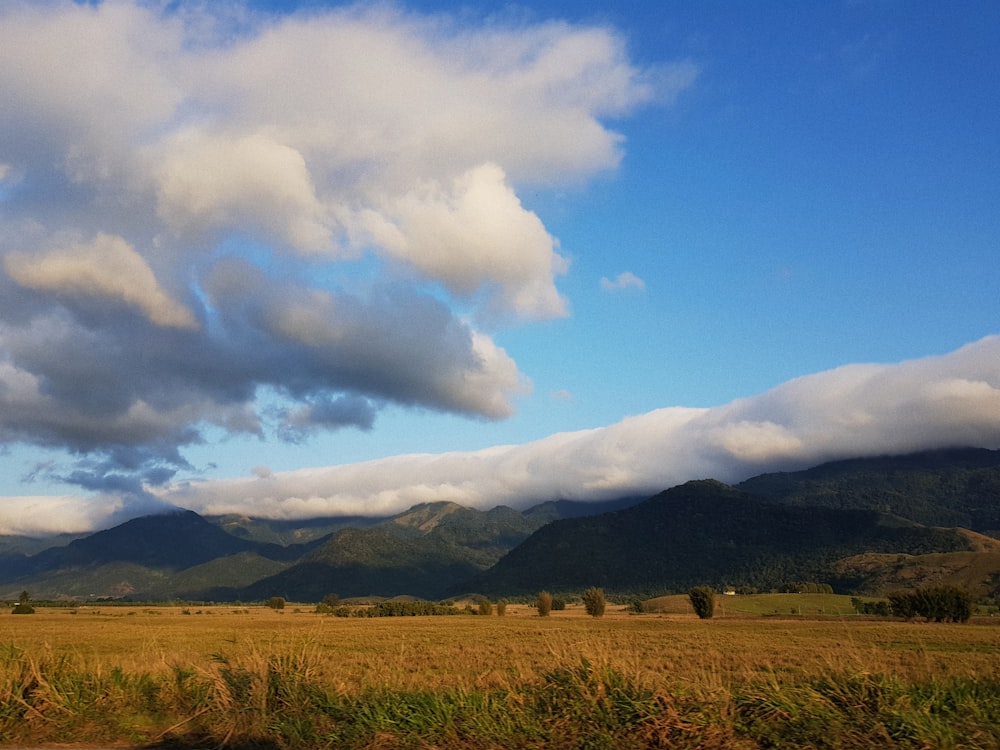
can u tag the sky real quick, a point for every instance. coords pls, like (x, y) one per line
(295, 259)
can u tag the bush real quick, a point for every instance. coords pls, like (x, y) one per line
(276, 602)
(330, 602)
(594, 602)
(501, 608)
(558, 605)
(23, 606)
(703, 600)
(938, 603)
(543, 603)
(485, 608)
(879, 607)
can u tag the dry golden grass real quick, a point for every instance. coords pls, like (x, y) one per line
(482, 652)
(254, 677)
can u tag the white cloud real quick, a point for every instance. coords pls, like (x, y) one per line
(857, 410)
(208, 169)
(624, 280)
(252, 182)
(474, 235)
(852, 411)
(107, 268)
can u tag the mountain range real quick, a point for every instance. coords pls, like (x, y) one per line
(861, 526)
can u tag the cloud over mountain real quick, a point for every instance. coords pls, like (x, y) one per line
(851, 411)
(201, 205)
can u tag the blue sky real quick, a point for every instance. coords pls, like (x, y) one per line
(267, 244)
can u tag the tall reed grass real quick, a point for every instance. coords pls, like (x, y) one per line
(590, 686)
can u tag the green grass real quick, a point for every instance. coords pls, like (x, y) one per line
(785, 604)
(760, 605)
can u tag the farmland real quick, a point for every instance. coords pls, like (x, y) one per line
(254, 676)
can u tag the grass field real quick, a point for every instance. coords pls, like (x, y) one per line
(836, 605)
(255, 677)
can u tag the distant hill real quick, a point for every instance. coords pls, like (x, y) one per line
(703, 532)
(174, 540)
(182, 555)
(976, 568)
(421, 552)
(284, 533)
(959, 487)
(860, 525)
(133, 559)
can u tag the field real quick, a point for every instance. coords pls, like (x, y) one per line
(256, 677)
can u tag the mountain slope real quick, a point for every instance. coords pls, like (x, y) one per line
(173, 541)
(182, 555)
(421, 552)
(959, 487)
(362, 562)
(702, 532)
(139, 558)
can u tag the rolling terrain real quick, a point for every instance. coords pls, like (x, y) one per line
(861, 526)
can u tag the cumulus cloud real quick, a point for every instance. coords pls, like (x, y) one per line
(624, 280)
(216, 182)
(856, 410)
(187, 185)
(474, 236)
(106, 268)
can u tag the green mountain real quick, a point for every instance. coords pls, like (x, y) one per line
(285, 533)
(420, 552)
(703, 532)
(141, 558)
(958, 487)
(860, 525)
(181, 555)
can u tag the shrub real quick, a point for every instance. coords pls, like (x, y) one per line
(501, 608)
(485, 607)
(594, 602)
(558, 604)
(862, 607)
(703, 600)
(23, 606)
(276, 602)
(544, 603)
(330, 602)
(938, 603)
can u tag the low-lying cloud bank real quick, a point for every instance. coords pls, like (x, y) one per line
(855, 410)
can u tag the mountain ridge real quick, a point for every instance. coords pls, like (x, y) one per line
(818, 523)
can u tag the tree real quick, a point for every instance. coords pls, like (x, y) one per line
(703, 600)
(330, 602)
(594, 602)
(938, 603)
(501, 608)
(23, 606)
(544, 603)
(485, 607)
(276, 602)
